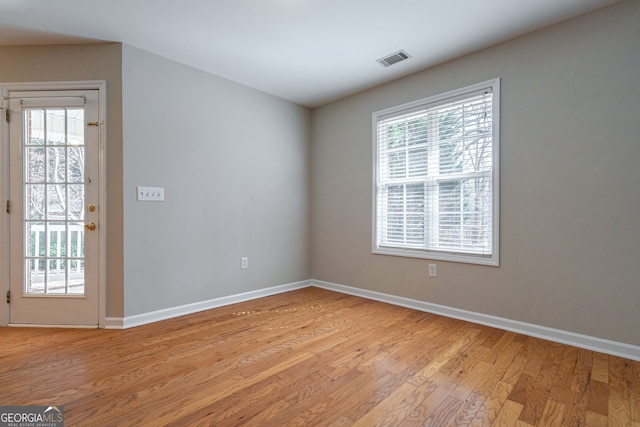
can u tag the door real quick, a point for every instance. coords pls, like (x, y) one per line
(54, 154)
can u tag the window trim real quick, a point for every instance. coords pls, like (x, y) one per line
(430, 102)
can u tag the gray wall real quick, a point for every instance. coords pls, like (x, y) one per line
(234, 164)
(570, 170)
(85, 62)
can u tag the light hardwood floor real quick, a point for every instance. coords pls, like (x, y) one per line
(312, 358)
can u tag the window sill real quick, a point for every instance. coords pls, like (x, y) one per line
(439, 256)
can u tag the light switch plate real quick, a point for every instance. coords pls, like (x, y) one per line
(150, 194)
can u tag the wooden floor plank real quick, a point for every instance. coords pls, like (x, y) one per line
(600, 368)
(553, 414)
(516, 367)
(436, 408)
(619, 412)
(312, 357)
(475, 379)
(508, 415)
(561, 391)
(580, 378)
(440, 416)
(385, 413)
(594, 419)
(534, 405)
(467, 410)
(502, 343)
(431, 368)
(492, 405)
(633, 370)
(598, 398)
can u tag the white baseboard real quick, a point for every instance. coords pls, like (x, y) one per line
(38, 325)
(171, 312)
(615, 348)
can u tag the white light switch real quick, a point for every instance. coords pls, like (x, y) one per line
(150, 194)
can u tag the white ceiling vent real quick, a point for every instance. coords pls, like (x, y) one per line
(394, 58)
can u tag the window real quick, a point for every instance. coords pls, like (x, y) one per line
(436, 177)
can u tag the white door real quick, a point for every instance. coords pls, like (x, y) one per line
(54, 154)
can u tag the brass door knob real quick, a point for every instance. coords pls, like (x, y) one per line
(91, 226)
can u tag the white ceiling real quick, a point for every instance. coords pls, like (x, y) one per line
(307, 51)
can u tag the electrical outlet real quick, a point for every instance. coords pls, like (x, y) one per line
(433, 270)
(244, 263)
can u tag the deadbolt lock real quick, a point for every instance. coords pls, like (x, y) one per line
(91, 207)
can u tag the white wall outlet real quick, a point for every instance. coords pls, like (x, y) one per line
(150, 194)
(433, 270)
(244, 263)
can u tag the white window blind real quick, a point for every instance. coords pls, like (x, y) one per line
(436, 163)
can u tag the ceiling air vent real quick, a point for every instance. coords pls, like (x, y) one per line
(394, 58)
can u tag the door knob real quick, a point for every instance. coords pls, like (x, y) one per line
(91, 226)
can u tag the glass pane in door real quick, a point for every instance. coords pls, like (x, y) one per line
(54, 154)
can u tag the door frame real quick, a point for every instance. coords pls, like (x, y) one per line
(5, 92)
